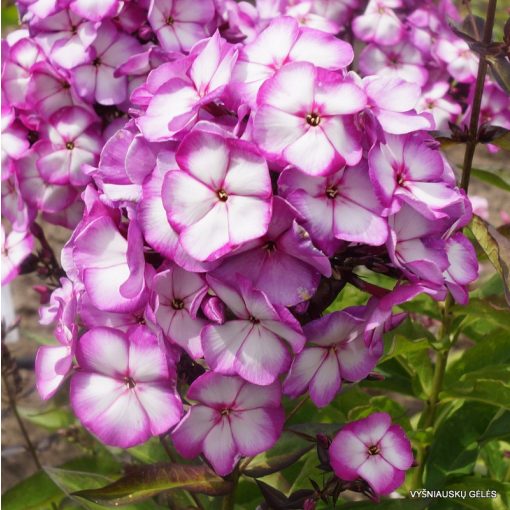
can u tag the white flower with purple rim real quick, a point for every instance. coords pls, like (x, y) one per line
(231, 419)
(336, 351)
(122, 391)
(304, 118)
(257, 344)
(220, 197)
(373, 449)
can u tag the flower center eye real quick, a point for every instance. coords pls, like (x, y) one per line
(313, 119)
(222, 195)
(374, 450)
(254, 320)
(170, 20)
(96, 62)
(70, 146)
(400, 180)
(225, 412)
(331, 192)
(128, 381)
(177, 304)
(270, 246)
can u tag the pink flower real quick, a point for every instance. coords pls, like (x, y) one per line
(96, 80)
(435, 100)
(191, 84)
(285, 249)
(16, 247)
(406, 169)
(220, 198)
(16, 71)
(65, 37)
(415, 246)
(254, 345)
(53, 363)
(73, 135)
(373, 449)
(402, 60)
(463, 266)
(122, 391)
(302, 119)
(392, 102)
(177, 299)
(379, 23)
(179, 24)
(336, 351)
(232, 418)
(340, 206)
(460, 61)
(95, 10)
(112, 268)
(283, 41)
(34, 188)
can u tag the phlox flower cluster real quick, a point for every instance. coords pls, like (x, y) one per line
(220, 165)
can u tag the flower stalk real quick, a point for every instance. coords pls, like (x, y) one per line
(430, 411)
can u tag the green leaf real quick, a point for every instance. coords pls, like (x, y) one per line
(52, 419)
(476, 485)
(499, 427)
(70, 481)
(490, 178)
(493, 457)
(497, 248)
(149, 453)
(401, 345)
(490, 384)
(35, 493)
(38, 491)
(500, 71)
(489, 351)
(288, 449)
(387, 504)
(456, 443)
(382, 404)
(147, 481)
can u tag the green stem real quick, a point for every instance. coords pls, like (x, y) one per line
(428, 418)
(229, 500)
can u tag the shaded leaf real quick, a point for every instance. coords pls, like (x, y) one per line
(499, 427)
(488, 351)
(490, 178)
(52, 419)
(401, 346)
(474, 483)
(147, 481)
(70, 481)
(289, 449)
(497, 248)
(150, 452)
(388, 504)
(500, 71)
(455, 447)
(38, 491)
(310, 430)
(490, 384)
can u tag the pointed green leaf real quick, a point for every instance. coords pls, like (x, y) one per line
(147, 481)
(497, 248)
(455, 447)
(490, 178)
(288, 449)
(53, 418)
(490, 384)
